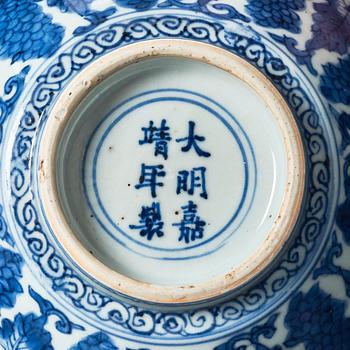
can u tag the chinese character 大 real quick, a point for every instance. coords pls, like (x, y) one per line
(192, 140)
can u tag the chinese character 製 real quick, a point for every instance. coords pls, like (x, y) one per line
(192, 139)
(191, 226)
(148, 177)
(159, 136)
(150, 222)
(188, 181)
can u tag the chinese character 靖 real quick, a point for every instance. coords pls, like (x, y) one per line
(150, 222)
(159, 136)
(191, 226)
(188, 181)
(192, 139)
(148, 177)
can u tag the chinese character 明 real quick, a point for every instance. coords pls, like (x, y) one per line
(150, 222)
(160, 136)
(191, 226)
(192, 139)
(188, 181)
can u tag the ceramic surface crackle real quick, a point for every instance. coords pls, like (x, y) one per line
(175, 174)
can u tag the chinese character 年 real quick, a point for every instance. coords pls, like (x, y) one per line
(148, 177)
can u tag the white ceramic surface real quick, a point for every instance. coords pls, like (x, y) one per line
(244, 171)
(97, 265)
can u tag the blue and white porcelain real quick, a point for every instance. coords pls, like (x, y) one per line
(175, 174)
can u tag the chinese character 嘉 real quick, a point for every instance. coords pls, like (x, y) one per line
(191, 226)
(192, 139)
(150, 222)
(148, 177)
(160, 136)
(188, 181)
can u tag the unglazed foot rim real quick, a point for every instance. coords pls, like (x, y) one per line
(97, 72)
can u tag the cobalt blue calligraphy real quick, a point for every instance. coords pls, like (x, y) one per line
(159, 136)
(192, 140)
(189, 181)
(191, 226)
(150, 222)
(148, 177)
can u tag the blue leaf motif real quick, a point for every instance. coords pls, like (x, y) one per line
(26, 332)
(95, 18)
(78, 6)
(12, 91)
(342, 217)
(10, 273)
(253, 337)
(317, 321)
(330, 31)
(4, 233)
(277, 13)
(47, 309)
(212, 8)
(303, 57)
(82, 8)
(96, 341)
(137, 4)
(331, 26)
(335, 82)
(328, 264)
(26, 32)
(343, 120)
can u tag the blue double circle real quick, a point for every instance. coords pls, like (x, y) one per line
(138, 106)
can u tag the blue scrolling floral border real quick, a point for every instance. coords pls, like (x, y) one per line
(51, 83)
(36, 35)
(131, 318)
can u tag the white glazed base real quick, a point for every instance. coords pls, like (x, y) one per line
(248, 171)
